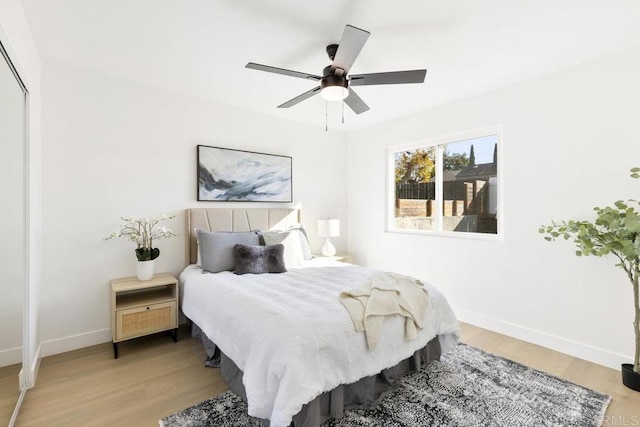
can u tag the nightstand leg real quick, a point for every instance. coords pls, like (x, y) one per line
(174, 334)
(115, 350)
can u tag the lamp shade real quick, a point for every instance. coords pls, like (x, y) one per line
(334, 88)
(328, 227)
(334, 93)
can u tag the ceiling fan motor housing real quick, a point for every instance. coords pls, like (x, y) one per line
(331, 51)
(333, 80)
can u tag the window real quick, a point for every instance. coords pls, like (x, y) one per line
(449, 185)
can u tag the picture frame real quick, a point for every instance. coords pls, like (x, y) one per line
(229, 175)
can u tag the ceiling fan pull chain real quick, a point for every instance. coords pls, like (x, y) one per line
(326, 116)
(343, 111)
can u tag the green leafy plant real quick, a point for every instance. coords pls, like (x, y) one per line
(615, 231)
(143, 231)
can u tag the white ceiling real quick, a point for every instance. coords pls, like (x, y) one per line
(200, 47)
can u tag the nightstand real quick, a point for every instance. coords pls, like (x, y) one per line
(342, 258)
(143, 308)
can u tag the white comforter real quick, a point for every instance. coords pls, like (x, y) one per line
(292, 337)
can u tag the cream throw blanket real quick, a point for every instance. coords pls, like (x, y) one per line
(382, 296)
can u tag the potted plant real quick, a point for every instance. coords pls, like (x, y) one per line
(616, 231)
(143, 231)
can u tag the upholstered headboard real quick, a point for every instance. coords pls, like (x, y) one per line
(220, 219)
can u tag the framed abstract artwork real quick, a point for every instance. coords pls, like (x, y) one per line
(226, 175)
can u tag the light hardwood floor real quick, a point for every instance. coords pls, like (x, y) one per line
(154, 377)
(9, 392)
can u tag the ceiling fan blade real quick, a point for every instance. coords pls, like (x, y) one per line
(300, 98)
(282, 71)
(355, 102)
(390, 78)
(353, 39)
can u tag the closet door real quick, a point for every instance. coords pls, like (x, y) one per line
(12, 234)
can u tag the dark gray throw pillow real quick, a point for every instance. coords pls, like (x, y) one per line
(258, 259)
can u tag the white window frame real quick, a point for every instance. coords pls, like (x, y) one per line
(439, 142)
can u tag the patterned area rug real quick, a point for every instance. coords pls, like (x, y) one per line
(467, 388)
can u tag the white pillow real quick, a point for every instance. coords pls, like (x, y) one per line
(293, 256)
(304, 241)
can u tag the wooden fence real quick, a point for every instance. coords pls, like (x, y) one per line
(459, 198)
(451, 190)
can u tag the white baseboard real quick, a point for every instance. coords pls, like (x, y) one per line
(563, 345)
(10, 356)
(35, 366)
(577, 349)
(14, 356)
(74, 342)
(22, 379)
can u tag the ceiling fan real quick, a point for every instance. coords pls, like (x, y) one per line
(335, 81)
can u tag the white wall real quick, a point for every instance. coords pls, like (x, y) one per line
(114, 148)
(16, 37)
(13, 220)
(569, 142)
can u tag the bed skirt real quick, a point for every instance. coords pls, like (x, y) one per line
(364, 393)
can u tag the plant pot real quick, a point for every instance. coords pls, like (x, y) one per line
(629, 378)
(145, 270)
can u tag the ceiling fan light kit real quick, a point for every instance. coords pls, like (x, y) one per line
(335, 81)
(334, 88)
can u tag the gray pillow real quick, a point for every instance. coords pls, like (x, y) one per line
(258, 259)
(216, 248)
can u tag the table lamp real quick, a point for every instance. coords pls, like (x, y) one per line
(328, 228)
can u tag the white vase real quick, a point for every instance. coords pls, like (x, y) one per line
(145, 270)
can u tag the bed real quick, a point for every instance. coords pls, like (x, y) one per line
(285, 343)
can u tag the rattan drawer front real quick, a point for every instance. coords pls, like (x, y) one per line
(144, 320)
